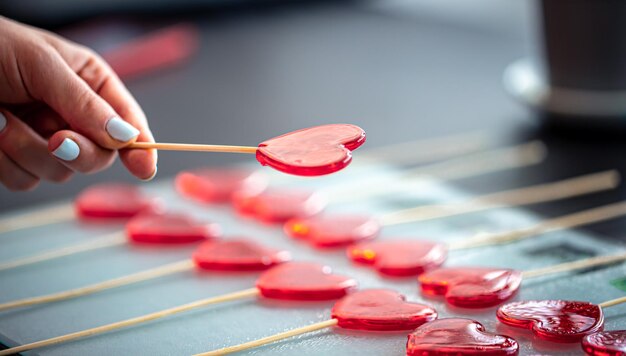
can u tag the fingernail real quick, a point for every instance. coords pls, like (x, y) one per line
(156, 168)
(3, 121)
(68, 150)
(121, 130)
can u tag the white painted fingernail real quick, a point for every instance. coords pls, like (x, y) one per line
(3, 121)
(156, 168)
(121, 130)
(68, 150)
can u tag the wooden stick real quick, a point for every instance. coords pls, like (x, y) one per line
(133, 321)
(50, 215)
(575, 265)
(114, 239)
(270, 339)
(142, 276)
(584, 217)
(193, 147)
(535, 194)
(612, 302)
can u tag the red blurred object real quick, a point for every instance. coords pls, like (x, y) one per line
(154, 51)
(554, 320)
(605, 343)
(472, 287)
(114, 201)
(304, 281)
(458, 337)
(209, 185)
(399, 258)
(333, 230)
(278, 205)
(380, 309)
(170, 229)
(238, 255)
(312, 151)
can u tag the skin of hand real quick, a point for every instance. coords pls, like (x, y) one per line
(63, 110)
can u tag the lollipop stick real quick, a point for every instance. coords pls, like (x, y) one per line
(133, 321)
(613, 302)
(114, 239)
(98, 287)
(575, 265)
(45, 216)
(193, 147)
(270, 339)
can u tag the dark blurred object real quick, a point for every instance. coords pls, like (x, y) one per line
(579, 78)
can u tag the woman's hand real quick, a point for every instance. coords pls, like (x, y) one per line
(63, 109)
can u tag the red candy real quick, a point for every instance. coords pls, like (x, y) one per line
(237, 255)
(113, 201)
(605, 343)
(399, 258)
(333, 231)
(217, 185)
(313, 151)
(304, 281)
(458, 337)
(169, 229)
(471, 287)
(278, 206)
(380, 309)
(554, 320)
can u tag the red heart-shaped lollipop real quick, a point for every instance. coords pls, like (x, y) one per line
(278, 205)
(458, 337)
(605, 343)
(380, 309)
(399, 258)
(237, 255)
(554, 320)
(169, 229)
(471, 287)
(209, 185)
(304, 281)
(333, 230)
(114, 201)
(313, 151)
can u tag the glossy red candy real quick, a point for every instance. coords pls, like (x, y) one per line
(605, 343)
(237, 255)
(169, 229)
(458, 337)
(278, 205)
(471, 287)
(313, 151)
(209, 185)
(304, 281)
(114, 201)
(333, 230)
(399, 257)
(554, 320)
(380, 309)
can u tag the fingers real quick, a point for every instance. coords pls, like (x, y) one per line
(79, 153)
(29, 151)
(14, 177)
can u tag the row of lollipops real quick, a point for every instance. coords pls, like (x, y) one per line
(245, 255)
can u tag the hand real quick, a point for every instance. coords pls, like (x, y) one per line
(62, 109)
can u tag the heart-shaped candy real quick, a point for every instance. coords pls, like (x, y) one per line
(313, 151)
(471, 287)
(458, 337)
(304, 281)
(278, 205)
(237, 255)
(399, 257)
(333, 230)
(554, 320)
(380, 309)
(209, 185)
(114, 201)
(169, 229)
(605, 343)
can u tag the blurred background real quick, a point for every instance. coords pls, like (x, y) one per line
(238, 72)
